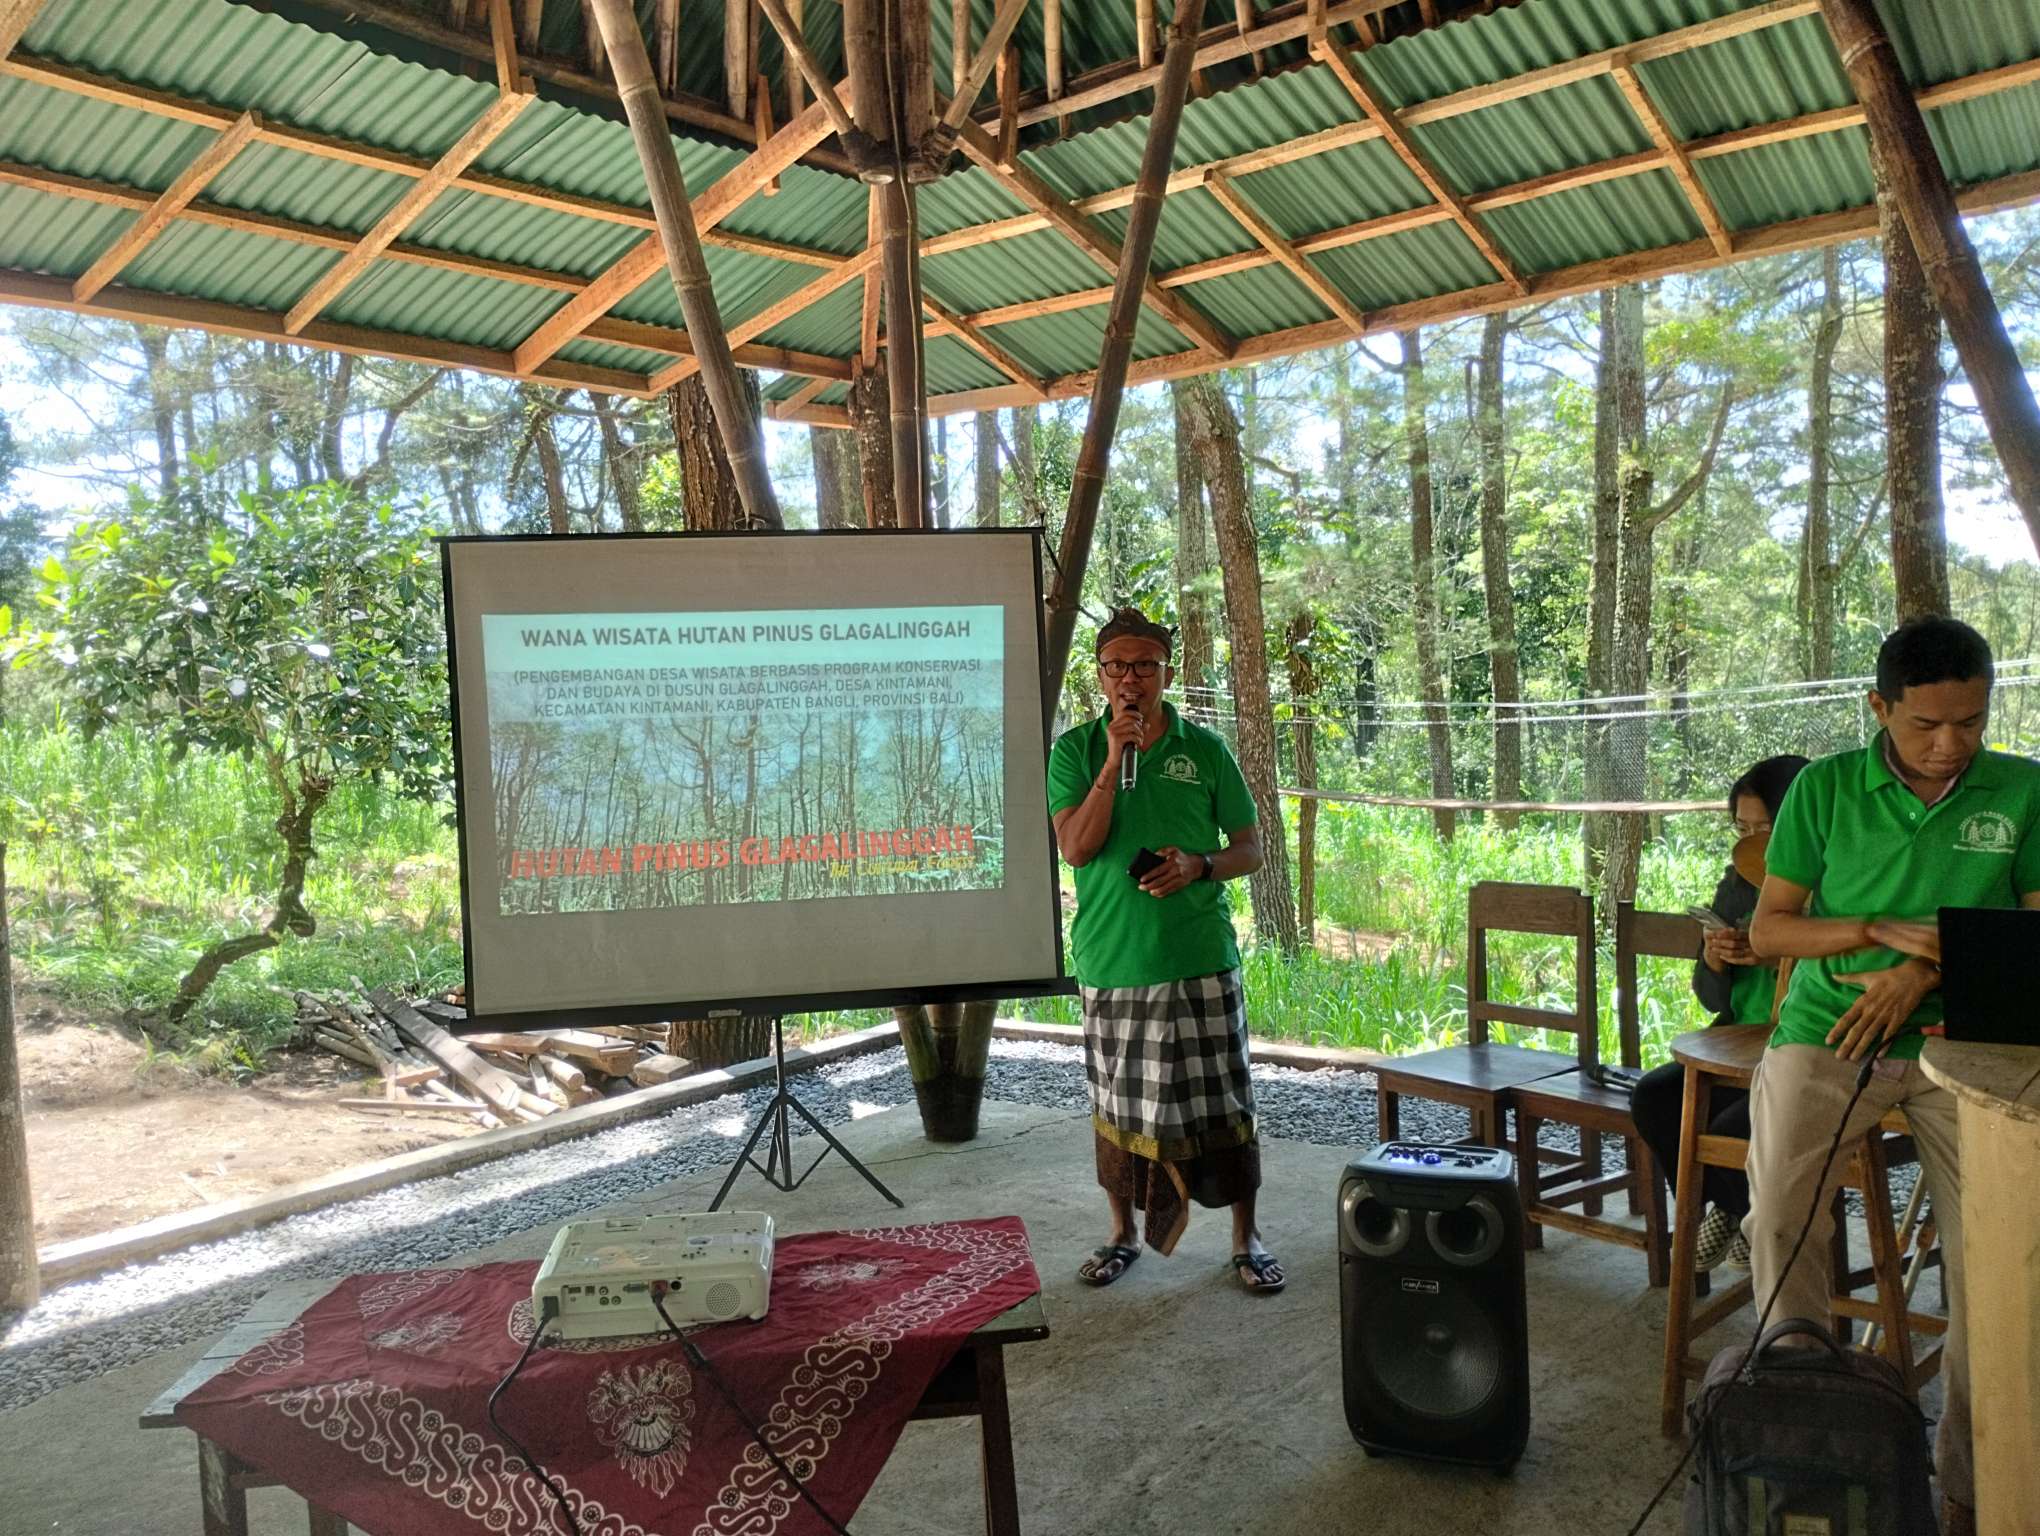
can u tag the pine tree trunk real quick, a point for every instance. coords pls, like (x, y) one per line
(987, 494)
(1024, 423)
(871, 424)
(1424, 580)
(1629, 674)
(19, 1283)
(938, 472)
(1607, 545)
(1215, 437)
(1817, 573)
(708, 487)
(1913, 380)
(837, 492)
(710, 501)
(1505, 677)
(1303, 704)
(623, 470)
(1193, 561)
(162, 407)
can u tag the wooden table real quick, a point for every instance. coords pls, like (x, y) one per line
(1997, 1117)
(972, 1383)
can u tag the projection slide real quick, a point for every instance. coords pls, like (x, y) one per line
(749, 770)
(877, 733)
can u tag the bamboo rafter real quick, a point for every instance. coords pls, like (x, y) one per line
(1943, 94)
(1609, 63)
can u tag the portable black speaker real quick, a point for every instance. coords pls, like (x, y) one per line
(1432, 1325)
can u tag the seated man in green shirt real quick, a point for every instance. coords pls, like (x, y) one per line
(1880, 839)
(1165, 1031)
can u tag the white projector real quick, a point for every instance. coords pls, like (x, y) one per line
(599, 1278)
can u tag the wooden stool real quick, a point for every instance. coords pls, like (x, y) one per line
(1728, 1055)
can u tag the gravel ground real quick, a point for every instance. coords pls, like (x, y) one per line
(93, 1325)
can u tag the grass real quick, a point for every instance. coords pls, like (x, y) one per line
(126, 864)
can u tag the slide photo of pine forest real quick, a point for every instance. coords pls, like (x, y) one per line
(775, 783)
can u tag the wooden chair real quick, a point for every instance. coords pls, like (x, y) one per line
(1480, 1075)
(1597, 1107)
(1728, 1056)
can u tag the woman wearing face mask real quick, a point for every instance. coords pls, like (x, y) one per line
(1736, 987)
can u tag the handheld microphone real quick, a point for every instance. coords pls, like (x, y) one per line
(1129, 761)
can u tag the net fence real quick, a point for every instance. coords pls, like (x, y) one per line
(1661, 751)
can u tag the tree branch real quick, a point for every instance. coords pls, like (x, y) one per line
(1670, 506)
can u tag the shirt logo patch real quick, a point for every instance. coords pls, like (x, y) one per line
(1184, 770)
(1987, 832)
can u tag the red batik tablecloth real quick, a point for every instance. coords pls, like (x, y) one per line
(372, 1404)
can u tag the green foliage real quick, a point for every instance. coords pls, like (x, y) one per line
(129, 858)
(300, 630)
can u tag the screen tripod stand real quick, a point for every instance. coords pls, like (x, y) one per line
(778, 1164)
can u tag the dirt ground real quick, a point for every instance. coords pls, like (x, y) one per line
(116, 1137)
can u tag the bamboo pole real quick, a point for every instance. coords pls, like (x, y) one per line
(914, 37)
(20, 1285)
(1920, 187)
(786, 22)
(879, 56)
(797, 29)
(668, 187)
(1087, 485)
(959, 44)
(736, 57)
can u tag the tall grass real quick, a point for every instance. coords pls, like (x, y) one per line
(127, 863)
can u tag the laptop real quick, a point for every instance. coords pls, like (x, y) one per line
(1987, 974)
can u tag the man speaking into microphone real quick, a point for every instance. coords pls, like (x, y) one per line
(1153, 815)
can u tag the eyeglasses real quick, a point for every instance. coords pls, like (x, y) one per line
(1119, 669)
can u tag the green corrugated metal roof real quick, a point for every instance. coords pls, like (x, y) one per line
(304, 65)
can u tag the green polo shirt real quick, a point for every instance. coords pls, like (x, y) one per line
(1189, 791)
(1867, 846)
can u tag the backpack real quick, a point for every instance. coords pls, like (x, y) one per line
(1820, 1441)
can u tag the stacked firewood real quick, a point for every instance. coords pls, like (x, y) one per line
(433, 1062)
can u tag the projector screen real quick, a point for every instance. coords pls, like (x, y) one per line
(766, 772)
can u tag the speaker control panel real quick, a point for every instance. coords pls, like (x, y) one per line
(1409, 1157)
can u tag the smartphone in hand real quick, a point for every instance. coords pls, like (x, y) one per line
(1708, 918)
(1145, 863)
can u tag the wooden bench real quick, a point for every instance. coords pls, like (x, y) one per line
(974, 1383)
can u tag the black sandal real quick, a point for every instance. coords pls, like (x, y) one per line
(1265, 1270)
(1098, 1270)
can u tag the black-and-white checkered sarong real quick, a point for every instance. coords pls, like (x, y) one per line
(1168, 1066)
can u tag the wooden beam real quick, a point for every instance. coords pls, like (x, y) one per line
(15, 16)
(1272, 240)
(39, 291)
(1590, 66)
(192, 180)
(741, 440)
(981, 65)
(1094, 454)
(834, 416)
(777, 313)
(1094, 242)
(1919, 186)
(1009, 108)
(1567, 282)
(419, 196)
(1676, 159)
(503, 35)
(805, 393)
(1412, 155)
(689, 110)
(635, 266)
(973, 336)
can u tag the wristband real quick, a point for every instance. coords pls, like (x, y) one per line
(1210, 867)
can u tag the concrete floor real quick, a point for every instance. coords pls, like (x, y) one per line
(1169, 1402)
